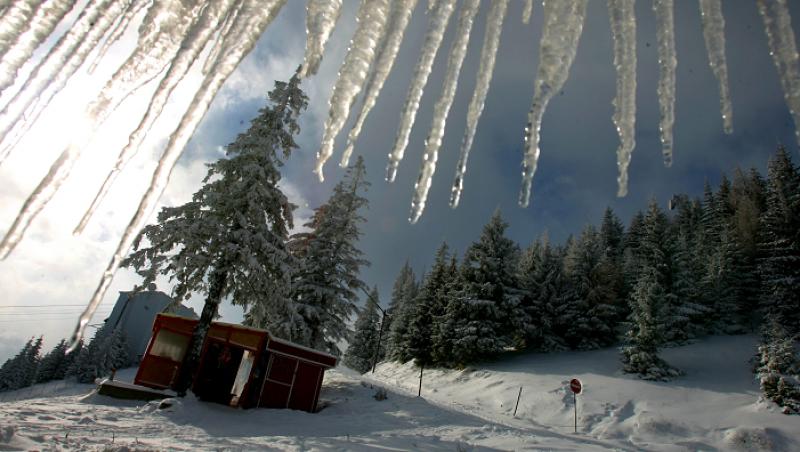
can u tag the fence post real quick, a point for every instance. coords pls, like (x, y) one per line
(518, 397)
(419, 391)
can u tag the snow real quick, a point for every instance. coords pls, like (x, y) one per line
(714, 406)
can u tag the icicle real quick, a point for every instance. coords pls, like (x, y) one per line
(42, 24)
(437, 25)
(119, 29)
(440, 111)
(53, 72)
(667, 61)
(400, 16)
(782, 46)
(527, 12)
(563, 25)
(714, 35)
(321, 17)
(160, 37)
(372, 18)
(623, 31)
(15, 21)
(194, 42)
(491, 41)
(217, 44)
(431, 5)
(154, 50)
(251, 23)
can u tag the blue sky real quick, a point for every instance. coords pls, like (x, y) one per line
(575, 181)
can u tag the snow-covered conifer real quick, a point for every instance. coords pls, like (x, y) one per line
(52, 362)
(486, 312)
(361, 350)
(780, 244)
(326, 282)
(404, 292)
(230, 239)
(20, 371)
(778, 370)
(429, 309)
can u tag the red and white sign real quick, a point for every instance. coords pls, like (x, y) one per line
(575, 386)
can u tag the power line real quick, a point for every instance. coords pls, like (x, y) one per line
(48, 306)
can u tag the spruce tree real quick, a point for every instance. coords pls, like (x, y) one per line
(52, 362)
(780, 244)
(429, 309)
(361, 350)
(326, 282)
(486, 312)
(230, 239)
(404, 294)
(778, 368)
(589, 314)
(20, 371)
(644, 337)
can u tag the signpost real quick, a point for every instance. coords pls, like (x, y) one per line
(576, 387)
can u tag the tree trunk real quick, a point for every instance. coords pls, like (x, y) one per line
(192, 357)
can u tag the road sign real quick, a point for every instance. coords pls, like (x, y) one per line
(575, 386)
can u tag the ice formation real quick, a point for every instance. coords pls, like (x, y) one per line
(782, 47)
(43, 43)
(434, 141)
(400, 16)
(563, 26)
(527, 12)
(437, 24)
(491, 42)
(667, 62)
(623, 32)
(321, 17)
(714, 36)
(372, 18)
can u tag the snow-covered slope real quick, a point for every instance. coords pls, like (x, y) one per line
(714, 407)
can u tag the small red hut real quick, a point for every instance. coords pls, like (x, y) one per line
(239, 366)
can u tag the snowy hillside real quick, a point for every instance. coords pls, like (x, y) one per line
(714, 407)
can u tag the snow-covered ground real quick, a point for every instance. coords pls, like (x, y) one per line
(714, 406)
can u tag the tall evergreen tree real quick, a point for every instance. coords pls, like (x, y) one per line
(590, 313)
(779, 367)
(487, 313)
(429, 308)
(364, 344)
(326, 282)
(780, 244)
(402, 306)
(230, 239)
(20, 371)
(52, 362)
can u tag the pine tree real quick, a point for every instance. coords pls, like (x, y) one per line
(780, 244)
(590, 312)
(642, 342)
(20, 371)
(401, 307)
(361, 350)
(52, 362)
(486, 312)
(778, 368)
(444, 334)
(429, 309)
(326, 281)
(106, 352)
(404, 296)
(230, 239)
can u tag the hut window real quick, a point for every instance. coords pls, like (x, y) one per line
(170, 345)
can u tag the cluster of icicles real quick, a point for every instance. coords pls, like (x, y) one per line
(175, 34)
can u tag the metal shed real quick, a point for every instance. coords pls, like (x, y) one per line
(239, 366)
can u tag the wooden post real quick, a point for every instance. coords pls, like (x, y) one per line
(518, 396)
(419, 392)
(575, 402)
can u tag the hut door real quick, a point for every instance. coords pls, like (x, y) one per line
(304, 390)
(278, 383)
(217, 374)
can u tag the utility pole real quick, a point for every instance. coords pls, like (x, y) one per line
(380, 329)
